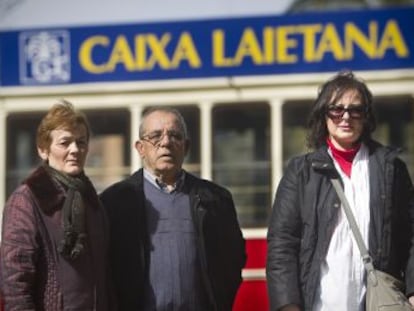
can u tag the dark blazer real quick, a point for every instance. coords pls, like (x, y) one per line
(221, 245)
(304, 215)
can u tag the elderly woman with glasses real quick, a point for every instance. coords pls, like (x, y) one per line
(313, 261)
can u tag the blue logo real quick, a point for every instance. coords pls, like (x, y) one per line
(44, 57)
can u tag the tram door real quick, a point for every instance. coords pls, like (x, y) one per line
(241, 163)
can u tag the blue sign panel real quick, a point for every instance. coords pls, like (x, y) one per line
(300, 43)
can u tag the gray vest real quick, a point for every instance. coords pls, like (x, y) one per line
(174, 275)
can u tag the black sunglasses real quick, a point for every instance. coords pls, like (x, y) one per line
(338, 111)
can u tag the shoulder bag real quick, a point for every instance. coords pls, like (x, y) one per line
(384, 292)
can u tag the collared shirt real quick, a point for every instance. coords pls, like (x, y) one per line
(342, 285)
(164, 187)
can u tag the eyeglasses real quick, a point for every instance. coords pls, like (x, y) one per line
(338, 111)
(155, 138)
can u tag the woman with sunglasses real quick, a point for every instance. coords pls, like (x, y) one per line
(313, 261)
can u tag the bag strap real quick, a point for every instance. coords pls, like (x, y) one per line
(366, 258)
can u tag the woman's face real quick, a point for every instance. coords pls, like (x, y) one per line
(67, 151)
(345, 120)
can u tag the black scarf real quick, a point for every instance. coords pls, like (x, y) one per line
(73, 213)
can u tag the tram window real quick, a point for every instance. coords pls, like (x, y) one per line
(191, 115)
(109, 149)
(295, 115)
(395, 125)
(241, 158)
(108, 159)
(21, 154)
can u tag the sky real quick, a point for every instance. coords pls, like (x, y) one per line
(26, 14)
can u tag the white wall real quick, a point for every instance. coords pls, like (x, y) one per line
(21, 14)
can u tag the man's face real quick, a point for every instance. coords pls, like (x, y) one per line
(163, 146)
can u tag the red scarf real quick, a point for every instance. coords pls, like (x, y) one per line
(344, 157)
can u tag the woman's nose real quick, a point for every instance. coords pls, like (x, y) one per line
(346, 115)
(74, 147)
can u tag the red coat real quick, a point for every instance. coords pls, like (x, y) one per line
(34, 276)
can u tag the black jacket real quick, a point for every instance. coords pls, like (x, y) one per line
(221, 245)
(304, 216)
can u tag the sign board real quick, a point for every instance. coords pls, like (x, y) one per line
(267, 45)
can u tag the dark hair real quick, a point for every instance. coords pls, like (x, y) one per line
(329, 93)
(62, 115)
(180, 118)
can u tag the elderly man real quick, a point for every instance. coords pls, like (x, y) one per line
(175, 240)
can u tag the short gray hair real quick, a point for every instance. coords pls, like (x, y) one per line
(150, 110)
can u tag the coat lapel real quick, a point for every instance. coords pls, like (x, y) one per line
(47, 193)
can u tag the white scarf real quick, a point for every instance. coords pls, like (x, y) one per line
(342, 285)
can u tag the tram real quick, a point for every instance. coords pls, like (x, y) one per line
(244, 86)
